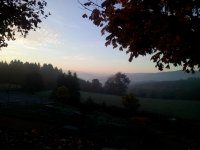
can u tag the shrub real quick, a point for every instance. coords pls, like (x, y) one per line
(62, 94)
(130, 102)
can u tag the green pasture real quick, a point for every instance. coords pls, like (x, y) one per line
(100, 98)
(186, 109)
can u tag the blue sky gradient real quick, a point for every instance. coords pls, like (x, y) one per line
(71, 42)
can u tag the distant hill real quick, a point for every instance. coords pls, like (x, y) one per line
(143, 77)
(161, 76)
(89, 76)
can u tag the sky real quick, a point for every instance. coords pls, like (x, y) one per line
(70, 42)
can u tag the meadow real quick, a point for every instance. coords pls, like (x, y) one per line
(184, 109)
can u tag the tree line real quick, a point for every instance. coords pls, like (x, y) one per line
(116, 84)
(29, 76)
(34, 77)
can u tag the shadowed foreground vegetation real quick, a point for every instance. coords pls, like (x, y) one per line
(60, 126)
(186, 109)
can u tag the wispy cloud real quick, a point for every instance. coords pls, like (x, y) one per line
(61, 21)
(78, 58)
(44, 37)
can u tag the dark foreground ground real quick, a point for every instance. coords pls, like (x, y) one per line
(47, 127)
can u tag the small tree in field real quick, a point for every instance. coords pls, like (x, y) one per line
(130, 102)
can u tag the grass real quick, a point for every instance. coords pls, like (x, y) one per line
(186, 109)
(100, 98)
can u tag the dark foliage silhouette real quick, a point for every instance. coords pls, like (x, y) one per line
(62, 94)
(71, 83)
(130, 103)
(20, 16)
(34, 82)
(29, 76)
(94, 86)
(167, 29)
(117, 84)
(50, 75)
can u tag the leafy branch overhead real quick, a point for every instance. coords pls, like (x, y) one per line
(20, 16)
(168, 30)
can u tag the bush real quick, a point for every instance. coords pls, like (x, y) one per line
(130, 103)
(62, 94)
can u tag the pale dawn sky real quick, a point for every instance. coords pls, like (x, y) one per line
(70, 42)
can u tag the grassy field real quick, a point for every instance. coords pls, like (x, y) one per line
(100, 98)
(186, 109)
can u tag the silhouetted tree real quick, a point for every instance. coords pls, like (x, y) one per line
(16, 73)
(4, 73)
(85, 85)
(50, 75)
(130, 102)
(62, 94)
(34, 82)
(71, 82)
(167, 29)
(19, 16)
(75, 89)
(96, 86)
(117, 84)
